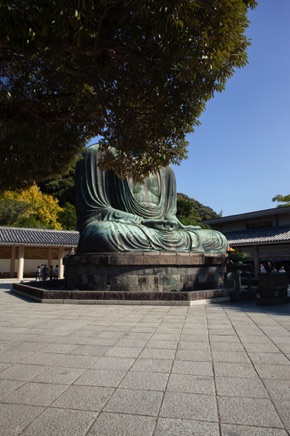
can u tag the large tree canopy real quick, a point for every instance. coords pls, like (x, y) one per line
(137, 73)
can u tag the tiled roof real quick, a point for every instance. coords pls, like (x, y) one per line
(70, 238)
(259, 235)
(18, 236)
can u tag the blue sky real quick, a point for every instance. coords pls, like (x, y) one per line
(239, 158)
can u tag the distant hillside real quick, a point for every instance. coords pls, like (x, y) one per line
(190, 211)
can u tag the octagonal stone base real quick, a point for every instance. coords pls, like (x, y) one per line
(144, 272)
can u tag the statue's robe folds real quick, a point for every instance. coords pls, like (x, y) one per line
(117, 216)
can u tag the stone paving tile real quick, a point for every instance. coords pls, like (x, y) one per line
(228, 369)
(133, 334)
(191, 384)
(248, 411)
(109, 424)
(269, 358)
(145, 380)
(197, 346)
(230, 356)
(37, 394)
(90, 350)
(10, 356)
(278, 389)
(100, 377)
(165, 337)
(157, 353)
(41, 338)
(261, 348)
(114, 363)
(226, 346)
(73, 340)
(153, 365)
(187, 337)
(135, 402)
(4, 366)
(75, 361)
(62, 422)
(240, 430)
(242, 387)
(194, 368)
(169, 345)
(89, 398)
(15, 417)
(254, 339)
(59, 375)
(193, 355)
(222, 332)
(8, 386)
(111, 334)
(189, 406)
(60, 348)
(283, 408)
(22, 372)
(224, 338)
(30, 346)
(41, 358)
(281, 372)
(183, 427)
(123, 352)
(131, 343)
(6, 345)
(101, 341)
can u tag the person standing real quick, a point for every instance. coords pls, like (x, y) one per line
(38, 274)
(262, 268)
(56, 272)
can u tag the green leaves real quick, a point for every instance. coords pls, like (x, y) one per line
(137, 74)
(284, 200)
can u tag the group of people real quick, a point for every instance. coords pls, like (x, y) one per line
(270, 267)
(43, 273)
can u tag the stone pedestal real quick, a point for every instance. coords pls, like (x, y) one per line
(144, 272)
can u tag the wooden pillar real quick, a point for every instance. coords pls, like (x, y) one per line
(49, 256)
(12, 261)
(20, 262)
(256, 260)
(60, 262)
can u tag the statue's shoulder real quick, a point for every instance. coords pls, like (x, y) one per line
(91, 149)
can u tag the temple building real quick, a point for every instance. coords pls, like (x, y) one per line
(22, 250)
(264, 235)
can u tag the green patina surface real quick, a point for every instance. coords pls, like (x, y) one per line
(119, 216)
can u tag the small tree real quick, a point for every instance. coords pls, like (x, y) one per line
(30, 208)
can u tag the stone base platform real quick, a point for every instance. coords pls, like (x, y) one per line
(139, 272)
(134, 278)
(36, 291)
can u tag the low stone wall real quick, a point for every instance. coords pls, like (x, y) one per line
(145, 272)
(36, 291)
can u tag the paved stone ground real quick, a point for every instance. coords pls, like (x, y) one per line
(76, 370)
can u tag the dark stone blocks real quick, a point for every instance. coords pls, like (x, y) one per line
(141, 272)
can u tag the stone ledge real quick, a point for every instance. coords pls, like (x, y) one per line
(31, 291)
